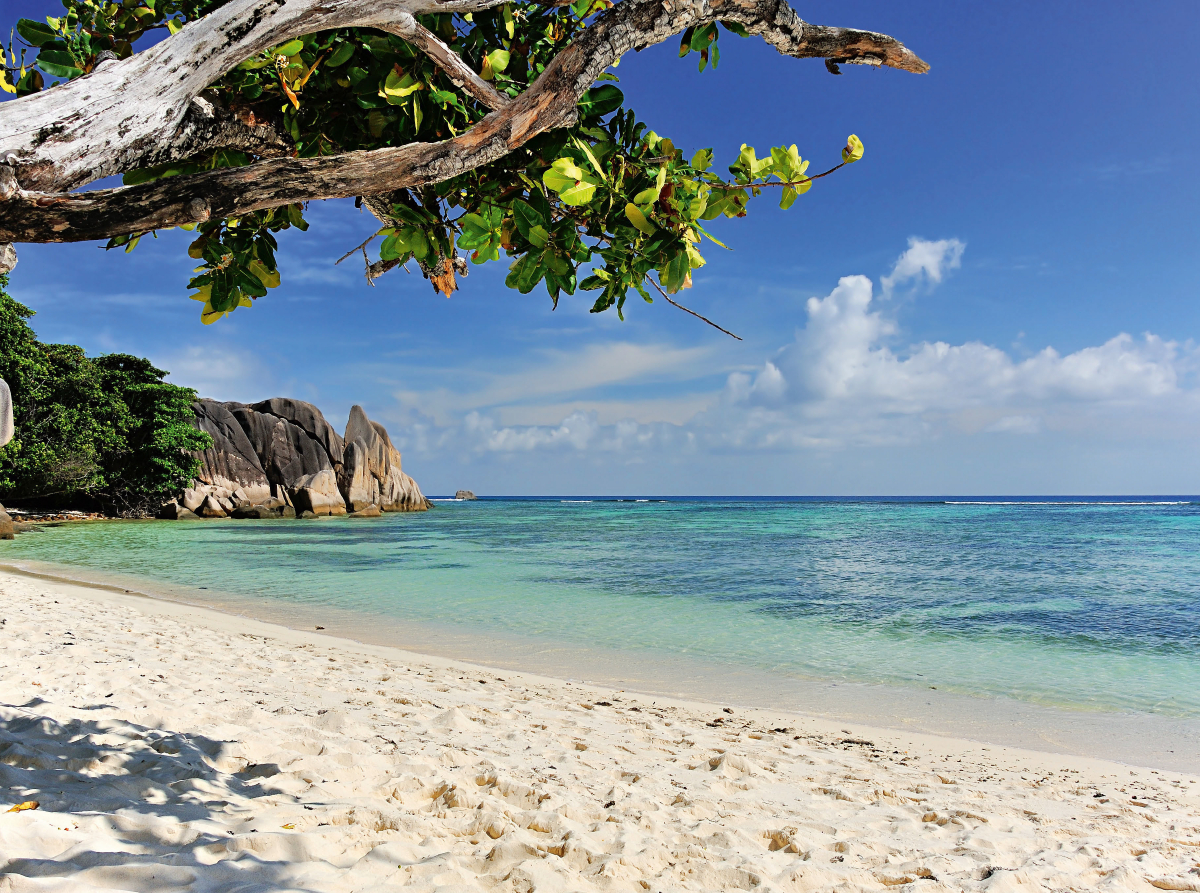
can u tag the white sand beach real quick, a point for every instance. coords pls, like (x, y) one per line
(171, 748)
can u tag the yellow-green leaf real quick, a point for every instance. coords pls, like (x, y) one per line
(291, 48)
(268, 278)
(563, 173)
(647, 197)
(538, 236)
(208, 316)
(581, 193)
(638, 219)
(853, 150)
(494, 63)
(400, 86)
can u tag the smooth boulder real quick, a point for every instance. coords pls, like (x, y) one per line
(308, 419)
(231, 463)
(286, 451)
(318, 493)
(254, 512)
(6, 525)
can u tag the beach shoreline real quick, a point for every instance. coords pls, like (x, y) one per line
(1145, 740)
(150, 729)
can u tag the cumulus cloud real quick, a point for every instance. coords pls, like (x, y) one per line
(844, 380)
(924, 260)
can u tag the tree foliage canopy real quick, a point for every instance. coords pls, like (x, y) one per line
(107, 431)
(591, 199)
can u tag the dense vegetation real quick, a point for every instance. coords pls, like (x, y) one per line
(104, 432)
(606, 205)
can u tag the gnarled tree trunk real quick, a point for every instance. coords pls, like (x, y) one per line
(150, 109)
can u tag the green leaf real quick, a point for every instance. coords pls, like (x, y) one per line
(393, 248)
(291, 48)
(474, 221)
(525, 273)
(736, 28)
(296, 218)
(527, 218)
(711, 237)
(340, 56)
(30, 82)
(675, 272)
(600, 100)
(702, 37)
(58, 64)
(418, 243)
(639, 220)
(556, 263)
(538, 236)
(35, 32)
(702, 160)
(685, 41)
(647, 197)
(853, 150)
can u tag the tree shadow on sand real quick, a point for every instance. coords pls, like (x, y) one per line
(165, 810)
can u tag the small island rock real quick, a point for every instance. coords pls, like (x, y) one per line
(465, 494)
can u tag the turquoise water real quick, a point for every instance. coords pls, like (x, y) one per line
(1084, 604)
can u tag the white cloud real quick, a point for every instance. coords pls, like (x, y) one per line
(219, 373)
(1015, 424)
(557, 377)
(842, 382)
(924, 259)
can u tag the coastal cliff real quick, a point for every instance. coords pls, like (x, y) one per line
(280, 457)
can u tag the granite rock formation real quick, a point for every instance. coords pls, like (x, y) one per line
(6, 413)
(281, 458)
(464, 494)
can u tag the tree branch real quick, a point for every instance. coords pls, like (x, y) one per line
(118, 117)
(459, 72)
(550, 102)
(675, 303)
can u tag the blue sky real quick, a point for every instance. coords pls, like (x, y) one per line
(1000, 298)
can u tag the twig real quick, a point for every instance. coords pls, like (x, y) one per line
(686, 310)
(362, 248)
(792, 183)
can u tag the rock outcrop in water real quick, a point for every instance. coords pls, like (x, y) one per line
(280, 457)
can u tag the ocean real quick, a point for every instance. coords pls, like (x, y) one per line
(1086, 605)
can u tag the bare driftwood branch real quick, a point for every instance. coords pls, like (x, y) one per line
(125, 115)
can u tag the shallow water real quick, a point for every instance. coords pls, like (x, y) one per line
(1068, 603)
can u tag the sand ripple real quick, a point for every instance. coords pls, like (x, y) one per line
(170, 749)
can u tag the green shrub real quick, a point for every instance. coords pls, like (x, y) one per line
(106, 432)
